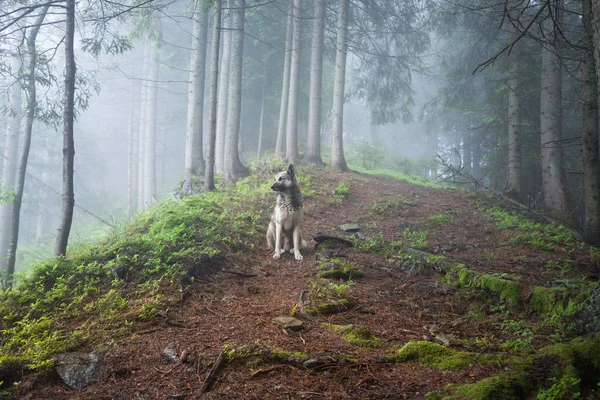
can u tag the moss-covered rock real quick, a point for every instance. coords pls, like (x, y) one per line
(335, 306)
(565, 369)
(588, 320)
(356, 335)
(508, 291)
(434, 355)
(559, 301)
(338, 268)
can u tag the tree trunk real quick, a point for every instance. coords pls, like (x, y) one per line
(194, 162)
(142, 128)
(337, 135)
(261, 125)
(150, 137)
(132, 143)
(233, 166)
(283, 108)
(556, 197)
(11, 153)
(68, 195)
(209, 171)
(589, 138)
(291, 148)
(513, 184)
(223, 99)
(313, 146)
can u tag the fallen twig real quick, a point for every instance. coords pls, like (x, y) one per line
(214, 371)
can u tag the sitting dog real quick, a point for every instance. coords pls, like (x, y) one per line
(284, 228)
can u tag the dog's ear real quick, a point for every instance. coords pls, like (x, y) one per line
(291, 173)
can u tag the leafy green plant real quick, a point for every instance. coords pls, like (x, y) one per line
(340, 192)
(340, 288)
(415, 238)
(567, 387)
(441, 219)
(522, 330)
(383, 206)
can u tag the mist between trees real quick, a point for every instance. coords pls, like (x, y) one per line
(503, 93)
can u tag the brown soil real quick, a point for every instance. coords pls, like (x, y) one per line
(230, 309)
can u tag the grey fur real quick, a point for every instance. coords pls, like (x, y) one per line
(287, 216)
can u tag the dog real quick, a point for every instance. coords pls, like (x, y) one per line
(284, 229)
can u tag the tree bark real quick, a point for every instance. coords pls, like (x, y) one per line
(68, 196)
(11, 153)
(291, 148)
(223, 99)
(313, 147)
(513, 181)
(556, 196)
(589, 138)
(209, 171)
(261, 125)
(142, 127)
(338, 160)
(283, 108)
(150, 136)
(194, 161)
(233, 166)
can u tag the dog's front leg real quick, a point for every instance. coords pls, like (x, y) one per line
(278, 229)
(297, 243)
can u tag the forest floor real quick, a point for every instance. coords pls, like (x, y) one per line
(399, 299)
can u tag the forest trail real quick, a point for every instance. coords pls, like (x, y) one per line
(347, 350)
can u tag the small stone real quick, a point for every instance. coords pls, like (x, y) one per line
(290, 323)
(170, 353)
(350, 228)
(78, 370)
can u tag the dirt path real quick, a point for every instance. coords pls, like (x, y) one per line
(395, 306)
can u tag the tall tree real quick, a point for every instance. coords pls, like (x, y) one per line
(291, 147)
(150, 134)
(338, 161)
(313, 146)
(68, 196)
(209, 171)
(223, 96)
(11, 152)
(556, 195)
(233, 166)
(285, 85)
(194, 162)
(513, 184)
(589, 139)
(141, 148)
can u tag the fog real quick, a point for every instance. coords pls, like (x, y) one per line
(415, 74)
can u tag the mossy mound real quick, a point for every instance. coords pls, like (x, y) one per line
(559, 301)
(338, 268)
(433, 355)
(566, 368)
(356, 335)
(508, 291)
(335, 306)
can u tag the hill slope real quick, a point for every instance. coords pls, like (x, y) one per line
(441, 287)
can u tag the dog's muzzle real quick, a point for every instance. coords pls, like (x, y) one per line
(277, 187)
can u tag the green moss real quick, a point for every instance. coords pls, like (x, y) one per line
(554, 372)
(334, 306)
(356, 335)
(557, 301)
(338, 268)
(506, 289)
(494, 388)
(434, 355)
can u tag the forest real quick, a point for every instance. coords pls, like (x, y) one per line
(449, 159)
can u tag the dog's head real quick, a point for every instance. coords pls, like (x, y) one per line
(285, 180)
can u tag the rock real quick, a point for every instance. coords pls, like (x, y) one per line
(290, 323)
(587, 321)
(77, 370)
(170, 353)
(350, 228)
